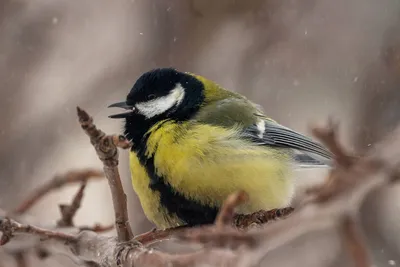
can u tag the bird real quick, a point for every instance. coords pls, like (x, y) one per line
(194, 143)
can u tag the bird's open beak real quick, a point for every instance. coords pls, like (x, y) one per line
(124, 106)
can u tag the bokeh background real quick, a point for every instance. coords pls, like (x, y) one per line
(301, 60)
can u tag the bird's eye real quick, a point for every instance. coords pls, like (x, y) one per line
(151, 96)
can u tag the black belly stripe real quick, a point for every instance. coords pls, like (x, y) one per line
(189, 211)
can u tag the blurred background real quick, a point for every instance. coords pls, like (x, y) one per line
(301, 60)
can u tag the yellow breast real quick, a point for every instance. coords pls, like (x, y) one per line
(205, 164)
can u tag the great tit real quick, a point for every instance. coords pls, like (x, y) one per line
(194, 143)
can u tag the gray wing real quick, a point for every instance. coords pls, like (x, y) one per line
(238, 111)
(307, 151)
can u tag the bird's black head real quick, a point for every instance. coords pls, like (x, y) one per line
(161, 94)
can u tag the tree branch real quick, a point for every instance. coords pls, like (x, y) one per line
(106, 147)
(20, 259)
(10, 227)
(261, 217)
(71, 177)
(353, 241)
(68, 211)
(328, 137)
(227, 212)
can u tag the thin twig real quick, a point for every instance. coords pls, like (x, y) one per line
(20, 259)
(97, 228)
(42, 253)
(71, 177)
(227, 211)
(328, 137)
(9, 227)
(68, 211)
(106, 147)
(227, 237)
(261, 217)
(354, 243)
(91, 264)
(226, 217)
(337, 180)
(156, 236)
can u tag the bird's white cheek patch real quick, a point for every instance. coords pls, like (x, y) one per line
(161, 104)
